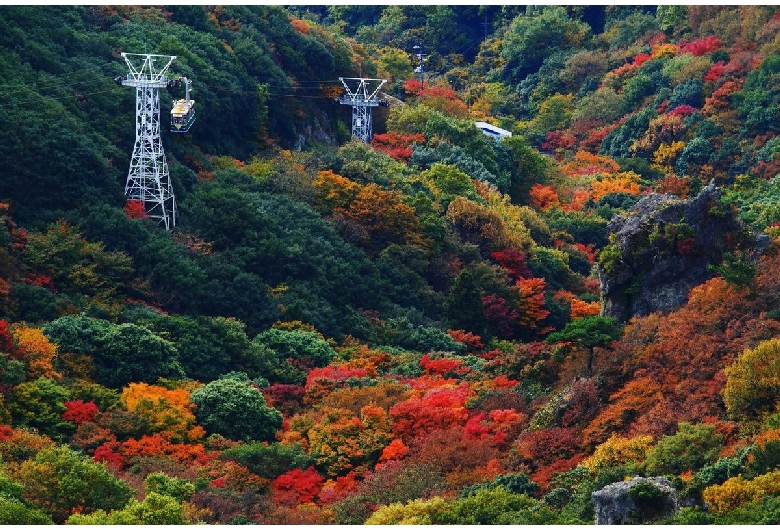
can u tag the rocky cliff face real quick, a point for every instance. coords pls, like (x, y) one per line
(664, 247)
(635, 501)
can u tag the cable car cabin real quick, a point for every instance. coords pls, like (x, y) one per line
(182, 115)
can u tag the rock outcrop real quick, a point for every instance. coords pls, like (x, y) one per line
(666, 246)
(635, 501)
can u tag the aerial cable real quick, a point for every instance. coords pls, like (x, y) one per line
(32, 90)
(53, 84)
(45, 86)
(37, 98)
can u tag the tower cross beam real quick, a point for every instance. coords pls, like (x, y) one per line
(145, 72)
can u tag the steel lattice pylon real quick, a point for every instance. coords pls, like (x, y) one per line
(148, 180)
(361, 101)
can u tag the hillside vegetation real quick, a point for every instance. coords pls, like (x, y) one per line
(408, 331)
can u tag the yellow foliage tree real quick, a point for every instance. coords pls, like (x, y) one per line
(664, 50)
(617, 451)
(484, 98)
(665, 156)
(393, 64)
(737, 491)
(753, 382)
(516, 218)
(259, 169)
(169, 412)
(479, 225)
(78, 265)
(663, 129)
(418, 511)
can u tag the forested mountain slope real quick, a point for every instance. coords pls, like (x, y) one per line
(405, 331)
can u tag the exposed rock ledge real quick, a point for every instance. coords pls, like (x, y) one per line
(663, 247)
(618, 504)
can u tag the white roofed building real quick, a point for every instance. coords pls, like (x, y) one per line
(491, 130)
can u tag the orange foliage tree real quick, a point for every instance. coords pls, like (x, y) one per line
(531, 305)
(20, 444)
(333, 191)
(384, 393)
(341, 442)
(674, 185)
(35, 351)
(625, 182)
(158, 445)
(228, 474)
(357, 355)
(463, 460)
(631, 401)
(544, 197)
(581, 308)
(169, 412)
(720, 99)
(586, 164)
(382, 219)
(395, 450)
(472, 341)
(668, 369)
(322, 381)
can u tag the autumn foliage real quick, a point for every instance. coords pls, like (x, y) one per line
(79, 412)
(438, 408)
(36, 351)
(135, 209)
(297, 486)
(397, 145)
(169, 412)
(415, 329)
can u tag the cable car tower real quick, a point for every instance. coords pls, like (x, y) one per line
(362, 101)
(148, 180)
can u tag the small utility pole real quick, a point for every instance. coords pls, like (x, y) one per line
(418, 51)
